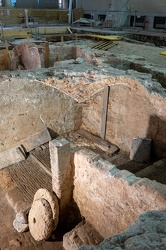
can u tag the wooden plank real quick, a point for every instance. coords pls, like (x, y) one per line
(101, 45)
(110, 46)
(47, 55)
(59, 57)
(104, 111)
(109, 38)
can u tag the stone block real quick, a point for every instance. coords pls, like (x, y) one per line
(60, 161)
(35, 140)
(62, 174)
(11, 156)
(22, 218)
(20, 227)
(140, 149)
(82, 234)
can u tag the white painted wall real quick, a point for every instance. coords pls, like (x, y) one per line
(141, 5)
(148, 5)
(148, 8)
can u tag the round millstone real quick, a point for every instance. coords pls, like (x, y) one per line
(40, 220)
(53, 201)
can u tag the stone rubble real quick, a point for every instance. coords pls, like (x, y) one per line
(20, 227)
(22, 218)
(147, 233)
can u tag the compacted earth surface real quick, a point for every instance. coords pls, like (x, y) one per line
(9, 237)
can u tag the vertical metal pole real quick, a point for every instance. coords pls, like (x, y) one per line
(47, 55)
(70, 11)
(104, 111)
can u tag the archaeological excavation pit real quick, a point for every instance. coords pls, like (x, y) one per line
(86, 131)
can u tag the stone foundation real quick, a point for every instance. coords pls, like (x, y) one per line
(135, 109)
(111, 199)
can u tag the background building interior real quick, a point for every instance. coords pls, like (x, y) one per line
(83, 124)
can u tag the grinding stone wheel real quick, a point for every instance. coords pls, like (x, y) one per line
(40, 220)
(53, 201)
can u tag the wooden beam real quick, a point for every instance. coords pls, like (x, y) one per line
(47, 55)
(104, 112)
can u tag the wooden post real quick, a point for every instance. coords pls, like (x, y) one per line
(7, 56)
(59, 56)
(26, 19)
(47, 55)
(104, 112)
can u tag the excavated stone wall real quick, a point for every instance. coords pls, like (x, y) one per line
(111, 199)
(136, 108)
(28, 106)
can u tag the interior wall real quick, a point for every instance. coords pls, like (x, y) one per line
(28, 106)
(48, 4)
(93, 5)
(27, 4)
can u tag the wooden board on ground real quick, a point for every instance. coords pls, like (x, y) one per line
(110, 38)
(104, 45)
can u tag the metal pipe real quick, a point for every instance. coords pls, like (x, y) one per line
(70, 11)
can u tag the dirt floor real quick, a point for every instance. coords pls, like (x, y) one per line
(10, 238)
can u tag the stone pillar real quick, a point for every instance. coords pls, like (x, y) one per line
(62, 174)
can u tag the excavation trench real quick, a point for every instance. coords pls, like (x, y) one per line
(97, 178)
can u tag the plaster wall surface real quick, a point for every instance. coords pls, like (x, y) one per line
(28, 106)
(133, 111)
(111, 199)
(149, 5)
